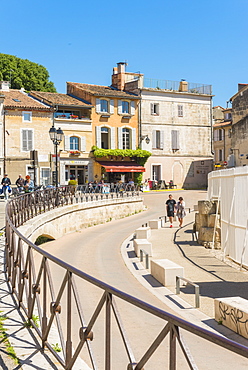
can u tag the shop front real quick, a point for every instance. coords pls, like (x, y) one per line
(78, 169)
(123, 171)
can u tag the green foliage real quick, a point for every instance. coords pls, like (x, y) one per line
(42, 239)
(140, 155)
(28, 323)
(56, 347)
(138, 177)
(23, 73)
(72, 182)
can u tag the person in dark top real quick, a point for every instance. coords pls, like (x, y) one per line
(20, 183)
(170, 208)
(6, 186)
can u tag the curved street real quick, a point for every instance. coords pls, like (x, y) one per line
(96, 251)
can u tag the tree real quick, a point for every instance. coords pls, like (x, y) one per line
(23, 73)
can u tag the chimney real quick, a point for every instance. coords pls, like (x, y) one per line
(118, 76)
(4, 85)
(183, 87)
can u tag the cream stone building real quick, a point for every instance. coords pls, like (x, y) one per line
(175, 125)
(25, 126)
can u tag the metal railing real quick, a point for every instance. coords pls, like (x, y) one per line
(193, 88)
(30, 272)
(197, 289)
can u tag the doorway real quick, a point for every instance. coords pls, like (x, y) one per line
(76, 173)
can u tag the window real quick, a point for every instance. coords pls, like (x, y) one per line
(155, 109)
(27, 116)
(44, 176)
(125, 138)
(104, 106)
(104, 138)
(27, 139)
(180, 110)
(228, 116)
(157, 139)
(74, 143)
(221, 134)
(125, 107)
(175, 140)
(221, 156)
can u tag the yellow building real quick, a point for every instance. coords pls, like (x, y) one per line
(115, 125)
(222, 134)
(26, 123)
(73, 116)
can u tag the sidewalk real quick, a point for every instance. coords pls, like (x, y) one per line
(215, 278)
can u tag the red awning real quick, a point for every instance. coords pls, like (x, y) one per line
(122, 166)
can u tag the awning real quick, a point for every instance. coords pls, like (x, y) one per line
(122, 166)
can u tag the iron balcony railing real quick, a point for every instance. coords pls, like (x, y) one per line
(193, 88)
(56, 301)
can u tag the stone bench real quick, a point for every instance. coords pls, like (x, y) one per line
(155, 224)
(143, 233)
(142, 244)
(232, 312)
(165, 271)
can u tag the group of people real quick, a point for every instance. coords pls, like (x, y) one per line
(175, 208)
(22, 184)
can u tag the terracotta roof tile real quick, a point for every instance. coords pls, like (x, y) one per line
(99, 90)
(60, 99)
(222, 124)
(18, 99)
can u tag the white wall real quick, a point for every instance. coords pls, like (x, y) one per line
(231, 186)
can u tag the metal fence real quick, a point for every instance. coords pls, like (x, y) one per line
(58, 303)
(193, 88)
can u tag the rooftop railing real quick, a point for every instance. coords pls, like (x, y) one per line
(57, 302)
(193, 88)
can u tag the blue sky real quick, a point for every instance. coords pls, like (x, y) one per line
(202, 41)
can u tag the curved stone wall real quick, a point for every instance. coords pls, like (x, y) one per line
(71, 218)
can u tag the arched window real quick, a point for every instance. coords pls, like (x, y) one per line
(125, 138)
(104, 138)
(74, 143)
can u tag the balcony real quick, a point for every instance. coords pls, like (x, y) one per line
(70, 116)
(174, 86)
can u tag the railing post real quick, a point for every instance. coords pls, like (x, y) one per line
(177, 285)
(108, 333)
(69, 323)
(172, 365)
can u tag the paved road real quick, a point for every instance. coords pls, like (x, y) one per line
(97, 251)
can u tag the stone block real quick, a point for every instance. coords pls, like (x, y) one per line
(196, 207)
(155, 224)
(232, 312)
(143, 233)
(206, 207)
(212, 219)
(206, 235)
(203, 220)
(197, 224)
(142, 244)
(165, 271)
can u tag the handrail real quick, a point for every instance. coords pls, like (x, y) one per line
(33, 287)
(197, 289)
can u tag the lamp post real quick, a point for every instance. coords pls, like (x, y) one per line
(56, 136)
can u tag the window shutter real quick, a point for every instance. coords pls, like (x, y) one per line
(119, 107)
(132, 108)
(175, 139)
(157, 109)
(30, 139)
(120, 146)
(67, 142)
(98, 136)
(83, 144)
(111, 106)
(112, 138)
(98, 106)
(161, 139)
(154, 138)
(215, 135)
(152, 108)
(24, 140)
(133, 138)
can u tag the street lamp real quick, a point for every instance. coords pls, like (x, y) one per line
(56, 136)
(146, 138)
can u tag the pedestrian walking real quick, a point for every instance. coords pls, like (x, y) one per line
(20, 184)
(6, 189)
(170, 208)
(181, 213)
